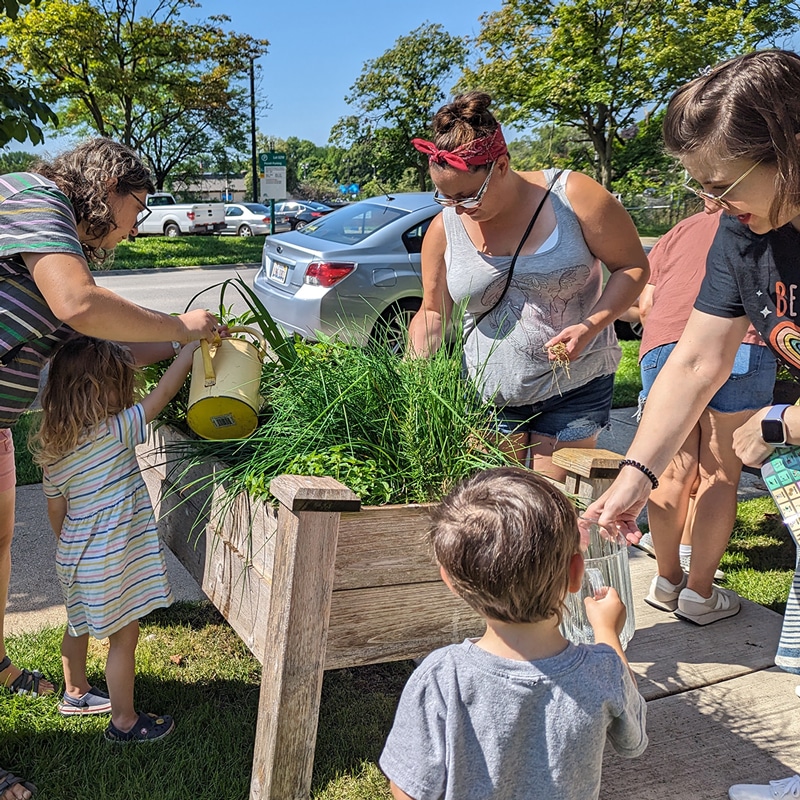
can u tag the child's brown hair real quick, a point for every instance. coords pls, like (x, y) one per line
(89, 380)
(505, 538)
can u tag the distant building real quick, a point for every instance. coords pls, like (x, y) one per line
(212, 186)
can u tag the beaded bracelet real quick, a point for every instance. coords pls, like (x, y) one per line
(629, 462)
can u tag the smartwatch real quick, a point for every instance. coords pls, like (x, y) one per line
(773, 431)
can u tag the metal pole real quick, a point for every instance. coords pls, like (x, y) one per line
(253, 154)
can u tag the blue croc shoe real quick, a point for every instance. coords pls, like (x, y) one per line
(149, 728)
(95, 701)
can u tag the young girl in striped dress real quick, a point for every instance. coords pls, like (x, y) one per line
(109, 559)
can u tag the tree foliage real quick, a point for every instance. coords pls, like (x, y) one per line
(398, 93)
(165, 86)
(599, 65)
(22, 110)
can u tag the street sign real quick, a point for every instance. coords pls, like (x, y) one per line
(271, 159)
(273, 183)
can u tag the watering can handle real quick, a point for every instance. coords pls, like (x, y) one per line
(255, 333)
(208, 364)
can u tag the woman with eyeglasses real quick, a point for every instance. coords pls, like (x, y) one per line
(54, 222)
(539, 340)
(736, 130)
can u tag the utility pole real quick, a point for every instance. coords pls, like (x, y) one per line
(253, 154)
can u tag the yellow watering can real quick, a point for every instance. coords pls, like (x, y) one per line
(223, 395)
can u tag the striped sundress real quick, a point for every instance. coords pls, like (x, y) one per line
(109, 559)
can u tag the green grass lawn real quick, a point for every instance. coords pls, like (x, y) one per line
(627, 381)
(187, 251)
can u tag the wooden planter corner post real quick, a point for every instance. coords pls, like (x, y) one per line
(589, 472)
(297, 629)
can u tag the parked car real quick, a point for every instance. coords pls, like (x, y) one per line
(252, 219)
(301, 212)
(353, 273)
(165, 216)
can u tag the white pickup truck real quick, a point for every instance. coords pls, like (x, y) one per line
(169, 218)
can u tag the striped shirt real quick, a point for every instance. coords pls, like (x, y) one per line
(109, 559)
(35, 217)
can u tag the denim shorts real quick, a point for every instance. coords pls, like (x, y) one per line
(749, 387)
(573, 415)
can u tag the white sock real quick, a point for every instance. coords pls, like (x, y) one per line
(685, 551)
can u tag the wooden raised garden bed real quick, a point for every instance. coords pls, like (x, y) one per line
(317, 583)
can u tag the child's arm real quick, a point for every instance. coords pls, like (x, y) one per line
(56, 512)
(607, 616)
(398, 793)
(171, 381)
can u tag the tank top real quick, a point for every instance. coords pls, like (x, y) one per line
(549, 291)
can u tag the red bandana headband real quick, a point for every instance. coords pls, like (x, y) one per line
(472, 154)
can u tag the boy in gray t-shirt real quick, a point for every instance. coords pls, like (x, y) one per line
(520, 713)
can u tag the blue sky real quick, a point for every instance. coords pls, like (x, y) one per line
(318, 49)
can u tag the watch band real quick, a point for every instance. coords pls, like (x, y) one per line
(771, 432)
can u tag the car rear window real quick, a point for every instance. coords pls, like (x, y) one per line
(352, 224)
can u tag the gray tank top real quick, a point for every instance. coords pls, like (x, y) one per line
(550, 290)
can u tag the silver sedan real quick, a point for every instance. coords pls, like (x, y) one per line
(354, 273)
(252, 219)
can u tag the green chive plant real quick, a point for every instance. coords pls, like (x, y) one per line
(393, 430)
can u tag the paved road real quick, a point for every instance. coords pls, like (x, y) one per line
(170, 290)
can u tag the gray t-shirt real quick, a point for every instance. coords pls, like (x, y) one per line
(550, 290)
(474, 725)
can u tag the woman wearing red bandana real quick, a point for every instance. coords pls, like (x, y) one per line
(555, 294)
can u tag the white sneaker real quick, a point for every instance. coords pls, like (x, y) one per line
(646, 544)
(663, 595)
(695, 608)
(788, 787)
(686, 562)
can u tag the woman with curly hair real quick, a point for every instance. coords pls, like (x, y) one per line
(54, 221)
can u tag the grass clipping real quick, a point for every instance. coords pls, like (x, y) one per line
(559, 360)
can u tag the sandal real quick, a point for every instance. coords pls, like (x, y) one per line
(7, 780)
(27, 682)
(95, 701)
(149, 728)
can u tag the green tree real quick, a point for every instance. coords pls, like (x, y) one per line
(400, 91)
(16, 161)
(167, 87)
(599, 65)
(22, 110)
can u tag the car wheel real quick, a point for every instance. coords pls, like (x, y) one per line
(300, 224)
(171, 230)
(245, 230)
(628, 330)
(391, 328)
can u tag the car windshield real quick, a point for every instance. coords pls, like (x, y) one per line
(352, 224)
(256, 208)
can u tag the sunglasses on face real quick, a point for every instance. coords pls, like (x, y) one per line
(717, 199)
(467, 202)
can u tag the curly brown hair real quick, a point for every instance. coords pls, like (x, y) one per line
(87, 175)
(463, 120)
(505, 538)
(744, 108)
(89, 380)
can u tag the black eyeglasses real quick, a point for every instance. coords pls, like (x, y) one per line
(467, 202)
(717, 199)
(144, 213)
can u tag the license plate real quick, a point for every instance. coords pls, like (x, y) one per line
(278, 272)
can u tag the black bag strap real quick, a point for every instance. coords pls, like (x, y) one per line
(520, 245)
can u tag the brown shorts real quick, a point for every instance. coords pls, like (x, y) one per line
(8, 472)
